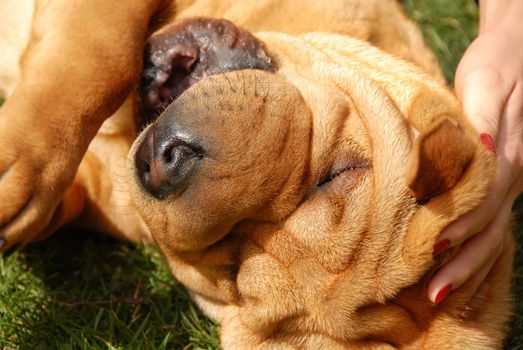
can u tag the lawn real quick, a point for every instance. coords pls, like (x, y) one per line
(79, 290)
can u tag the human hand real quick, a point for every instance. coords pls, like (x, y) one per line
(489, 84)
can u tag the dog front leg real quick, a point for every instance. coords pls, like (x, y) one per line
(82, 60)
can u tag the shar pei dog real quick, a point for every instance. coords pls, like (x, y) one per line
(294, 164)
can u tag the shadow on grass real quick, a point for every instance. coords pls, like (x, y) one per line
(79, 290)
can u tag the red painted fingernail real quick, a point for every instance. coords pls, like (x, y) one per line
(440, 246)
(488, 141)
(442, 294)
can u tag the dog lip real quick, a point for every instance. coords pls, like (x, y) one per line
(185, 53)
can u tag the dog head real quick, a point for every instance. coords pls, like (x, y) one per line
(302, 180)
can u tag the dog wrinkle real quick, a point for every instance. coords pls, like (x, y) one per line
(281, 244)
(389, 322)
(404, 211)
(255, 287)
(334, 248)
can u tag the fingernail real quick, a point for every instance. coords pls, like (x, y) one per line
(442, 294)
(488, 141)
(440, 246)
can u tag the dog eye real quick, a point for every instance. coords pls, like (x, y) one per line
(337, 171)
(328, 178)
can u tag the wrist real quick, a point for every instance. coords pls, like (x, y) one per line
(495, 13)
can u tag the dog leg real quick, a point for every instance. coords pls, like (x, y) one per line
(82, 60)
(98, 199)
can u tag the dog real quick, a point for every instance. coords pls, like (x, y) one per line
(296, 163)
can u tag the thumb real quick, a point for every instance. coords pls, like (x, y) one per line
(483, 96)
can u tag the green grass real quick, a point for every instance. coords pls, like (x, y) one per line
(79, 290)
(448, 26)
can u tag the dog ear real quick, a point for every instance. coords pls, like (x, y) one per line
(438, 159)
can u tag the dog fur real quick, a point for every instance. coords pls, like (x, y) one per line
(309, 222)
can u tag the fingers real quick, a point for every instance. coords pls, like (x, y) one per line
(477, 255)
(483, 95)
(510, 143)
(475, 258)
(509, 163)
(481, 251)
(437, 293)
(488, 84)
(476, 220)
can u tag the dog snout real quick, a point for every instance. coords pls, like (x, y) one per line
(165, 162)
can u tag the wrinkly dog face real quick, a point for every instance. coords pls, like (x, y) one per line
(298, 159)
(227, 148)
(234, 136)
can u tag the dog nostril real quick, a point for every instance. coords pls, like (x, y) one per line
(178, 152)
(144, 169)
(166, 168)
(143, 158)
(146, 174)
(167, 156)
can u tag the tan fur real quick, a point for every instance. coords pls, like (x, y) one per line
(279, 261)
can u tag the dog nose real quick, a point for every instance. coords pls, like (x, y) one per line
(165, 164)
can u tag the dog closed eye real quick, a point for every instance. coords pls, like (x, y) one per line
(339, 169)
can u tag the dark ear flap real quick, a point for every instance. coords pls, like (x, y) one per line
(439, 158)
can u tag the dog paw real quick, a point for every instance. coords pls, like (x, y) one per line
(34, 174)
(183, 54)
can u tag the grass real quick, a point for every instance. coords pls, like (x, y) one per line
(79, 290)
(448, 26)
